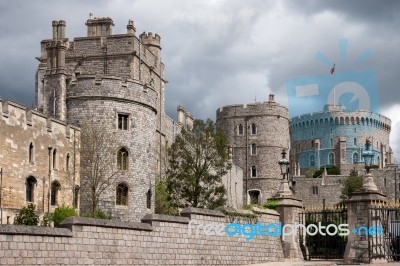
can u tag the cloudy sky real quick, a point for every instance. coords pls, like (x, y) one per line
(220, 52)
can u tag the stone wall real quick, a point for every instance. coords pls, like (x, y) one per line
(45, 149)
(158, 240)
(329, 187)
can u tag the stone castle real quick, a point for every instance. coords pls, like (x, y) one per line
(118, 81)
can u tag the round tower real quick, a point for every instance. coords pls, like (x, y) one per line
(128, 110)
(257, 134)
(336, 137)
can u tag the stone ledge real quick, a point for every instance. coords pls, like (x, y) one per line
(149, 218)
(206, 212)
(105, 223)
(11, 229)
(265, 211)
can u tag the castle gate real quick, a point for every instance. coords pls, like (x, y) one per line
(385, 245)
(317, 244)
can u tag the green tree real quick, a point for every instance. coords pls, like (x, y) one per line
(197, 161)
(352, 184)
(164, 203)
(27, 216)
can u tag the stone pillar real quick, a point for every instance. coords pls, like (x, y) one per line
(289, 209)
(357, 213)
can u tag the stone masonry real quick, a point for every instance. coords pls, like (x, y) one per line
(36, 152)
(158, 240)
(257, 133)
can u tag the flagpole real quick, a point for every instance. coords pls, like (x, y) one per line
(333, 71)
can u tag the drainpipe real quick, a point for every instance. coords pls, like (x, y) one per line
(49, 191)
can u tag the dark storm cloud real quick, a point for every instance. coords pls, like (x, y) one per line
(218, 52)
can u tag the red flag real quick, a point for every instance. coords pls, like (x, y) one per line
(333, 69)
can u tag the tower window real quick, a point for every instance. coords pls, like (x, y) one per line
(123, 120)
(67, 163)
(355, 158)
(122, 159)
(76, 196)
(240, 129)
(148, 197)
(355, 141)
(253, 149)
(54, 159)
(331, 159)
(30, 188)
(31, 153)
(253, 171)
(55, 188)
(253, 129)
(312, 160)
(122, 194)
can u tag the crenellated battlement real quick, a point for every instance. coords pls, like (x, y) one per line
(15, 114)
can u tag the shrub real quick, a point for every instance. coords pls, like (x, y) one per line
(47, 220)
(271, 204)
(352, 184)
(61, 213)
(27, 216)
(330, 169)
(99, 214)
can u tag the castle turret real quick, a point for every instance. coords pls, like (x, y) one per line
(152, 43)
(54, 81)
(181, 115)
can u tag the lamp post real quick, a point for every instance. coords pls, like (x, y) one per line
(284, 190)
(284, 165)
(368, 155)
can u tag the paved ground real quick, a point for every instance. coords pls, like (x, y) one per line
(318, 263)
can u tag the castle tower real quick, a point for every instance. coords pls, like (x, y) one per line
(257, 134)
(117, 81)
(53, 86)
(341, 139)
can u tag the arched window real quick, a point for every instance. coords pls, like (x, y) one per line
(122, 194)
(30, 189)
(240, 129)
(253, 171)
(76, 196)
(355, 158)
(253, 129)
(54, 159)
(331, 159)
(253, 149)
(312, 160)
(122, 159)
(67, 163)
(55, 188)
(31, 153)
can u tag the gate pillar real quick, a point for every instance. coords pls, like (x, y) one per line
(357, 214)
(289, 209)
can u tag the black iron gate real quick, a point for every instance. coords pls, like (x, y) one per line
(384, 242)
(323, 246)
